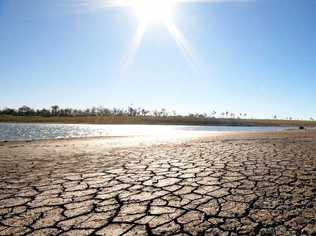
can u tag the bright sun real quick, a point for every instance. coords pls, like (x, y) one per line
(153, 11)
(150, 12)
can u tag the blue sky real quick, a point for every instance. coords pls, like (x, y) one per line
(257, 57)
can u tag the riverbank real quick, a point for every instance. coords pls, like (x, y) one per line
(244, 183)
(154, 120)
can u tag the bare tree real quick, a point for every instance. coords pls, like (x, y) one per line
(144, 112)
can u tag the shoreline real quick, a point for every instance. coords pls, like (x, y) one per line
(136, 141)
(149, 120)
(203, 134)
(187, 133)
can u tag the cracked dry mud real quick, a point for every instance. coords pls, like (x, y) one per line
(256, 186)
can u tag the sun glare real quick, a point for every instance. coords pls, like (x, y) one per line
(150, 12)
(153, 11)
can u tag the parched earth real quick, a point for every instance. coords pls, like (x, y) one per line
(256, 185)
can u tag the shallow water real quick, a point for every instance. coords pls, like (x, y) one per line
(11, 131)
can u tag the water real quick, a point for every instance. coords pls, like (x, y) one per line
(11, 131)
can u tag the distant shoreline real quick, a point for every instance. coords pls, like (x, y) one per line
(150, 120)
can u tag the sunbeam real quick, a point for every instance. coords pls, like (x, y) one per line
(110, 3)
(213, 1)
(136, 41)
(155, 12)
(183, 44)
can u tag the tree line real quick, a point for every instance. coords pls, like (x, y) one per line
(102, 111)
(56, 110)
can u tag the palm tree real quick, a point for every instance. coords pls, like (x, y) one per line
(213, 113)
(55, 109)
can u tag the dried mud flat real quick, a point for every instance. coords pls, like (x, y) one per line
(251, 184)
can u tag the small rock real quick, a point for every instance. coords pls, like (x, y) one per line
(297, 223)
(267, 232)
(310, 229)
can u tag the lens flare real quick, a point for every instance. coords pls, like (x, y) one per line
(154, 12)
